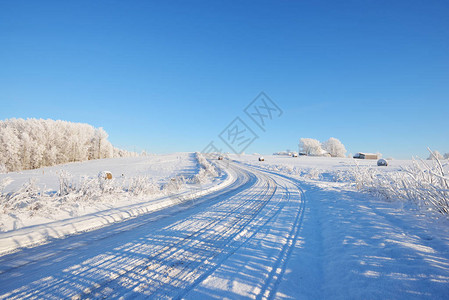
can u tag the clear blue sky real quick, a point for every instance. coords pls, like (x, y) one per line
(169, 76)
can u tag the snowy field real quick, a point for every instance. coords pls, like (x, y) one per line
(422, 184)
(69, 198)
(324, 164)
(285, 228)
(158, 167)
(357, 245)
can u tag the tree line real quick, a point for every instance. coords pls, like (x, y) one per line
(34, 143)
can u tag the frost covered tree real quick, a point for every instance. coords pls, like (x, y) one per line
(310, 147)
(3, 169)
(334, 147)
(100, 146)
(9, 148)
(33, 143)
(123, 153)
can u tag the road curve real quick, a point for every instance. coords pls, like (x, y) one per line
(233, 243)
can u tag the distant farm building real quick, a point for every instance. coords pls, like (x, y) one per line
(361, 155)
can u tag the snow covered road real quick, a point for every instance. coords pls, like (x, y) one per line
(266, 235)
(176, 252)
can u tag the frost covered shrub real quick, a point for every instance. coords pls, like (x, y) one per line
(174, 184)
(28, 200)
(66, 185)
(205, 165)
(307, 174)
(88, 188)
(201, 177)
(106, 185)
(313, 174)
(285, 169)
(142, 185)
(342, 176)
(425, 184)
(26, 196)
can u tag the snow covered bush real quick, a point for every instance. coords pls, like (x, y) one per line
(87, 189)
(313, 173)
(283, 169)
(206, 168)
(26, 197)
(65, 183)
(425, 184)
(106, 185)
(334, 147)
(342, 176)
(174, 184)
(142, 185)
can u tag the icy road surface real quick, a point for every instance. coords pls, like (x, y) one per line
(265, 235)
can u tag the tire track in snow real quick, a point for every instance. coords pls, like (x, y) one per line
(69, 252)
(200, 242)
(265, 284)
(268, 291)
(46, 251)
(261, 223)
